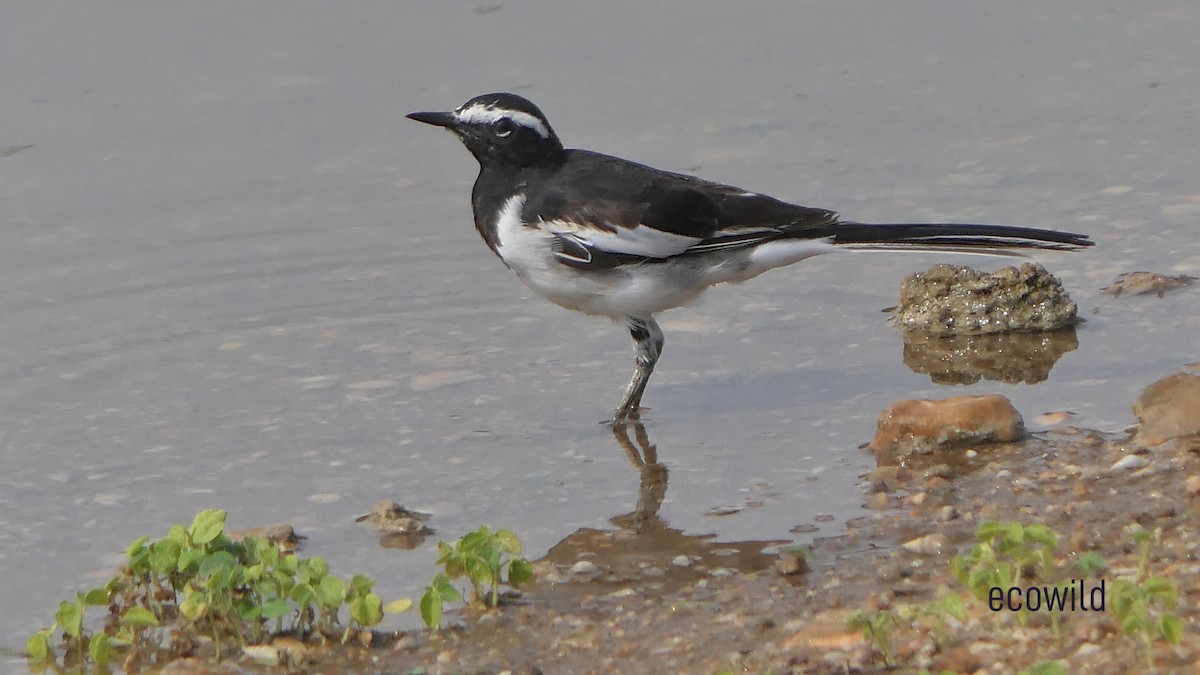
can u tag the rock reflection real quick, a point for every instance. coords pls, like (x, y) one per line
(1004, 357)
(644, 554)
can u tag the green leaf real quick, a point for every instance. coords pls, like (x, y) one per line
(331, 592)
(96, 597)
(193, 606)
(208, 525)
(164, 556)
(454, 567)
(1041, 534)
(217, 565)
(139, 616)
(446, 589)
(315, 568)
(473, 540)
(988, 530)
(70, 617)
(303, 594)
(520, 571)
(177, 534)
(361, 585)
(99, 648)
(398, 606)
(508, 541)
(477, 570)
(275, 608)
(136, 547)
(1161, 589)
(367, 610)
(955, 607)
(1171, 628)
(1133, 623)
(1090, 564)
(38, 647)
(189, 560)
(431, 608)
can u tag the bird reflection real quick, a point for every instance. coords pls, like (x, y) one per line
(652, 487)
(644, 551)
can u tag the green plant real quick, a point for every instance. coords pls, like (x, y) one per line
(1006, 553)
(1143, 604)
(487, 558)
(877, 627)
(937, 611)
(197, 581)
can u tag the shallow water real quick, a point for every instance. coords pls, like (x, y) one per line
(233, 275)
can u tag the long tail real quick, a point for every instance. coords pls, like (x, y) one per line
(964, 237)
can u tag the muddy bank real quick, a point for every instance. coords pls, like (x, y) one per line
(644, 598)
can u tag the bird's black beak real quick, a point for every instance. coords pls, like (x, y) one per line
(437, 119)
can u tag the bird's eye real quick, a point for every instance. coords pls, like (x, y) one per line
(503, 127)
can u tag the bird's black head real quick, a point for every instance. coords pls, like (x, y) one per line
(500, 129)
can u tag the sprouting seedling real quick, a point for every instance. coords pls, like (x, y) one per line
(877, 627)
(197, 581)
(488, 559)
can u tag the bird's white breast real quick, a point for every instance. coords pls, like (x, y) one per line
(629, 290)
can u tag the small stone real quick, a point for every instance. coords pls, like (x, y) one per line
(682, 561)
(921, 426)
(1167, 409)
(720, 572)
(791, 562)
(946, 514)
(585, 568)
(956, 300)
(1129, 463)
(930, 544)
(1140, 283)
(879, 500)
(1193, 484)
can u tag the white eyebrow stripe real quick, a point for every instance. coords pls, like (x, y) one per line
(481, 114)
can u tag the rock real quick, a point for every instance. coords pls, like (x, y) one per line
(1140, 283)
(1193, 484)
(957, 300)
(791, 562)
(284, 536)
(930, 544)
(914, 426)
(1129, 463)
(585, 568)
(1168, 409)
(392, 518)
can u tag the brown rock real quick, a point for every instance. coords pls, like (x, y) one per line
(957, 300)
(921, 426)
(1167, 409)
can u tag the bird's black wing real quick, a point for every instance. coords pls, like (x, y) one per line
(604, 211)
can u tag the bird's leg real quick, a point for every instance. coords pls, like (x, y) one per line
(648, 339)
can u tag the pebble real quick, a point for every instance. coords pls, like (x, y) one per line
(791, 562)
(1193, 484)
(682, 561)
(585, 568)
(1129, 463)
(1168, 409)
(930, 544)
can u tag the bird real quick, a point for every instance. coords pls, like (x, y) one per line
(611, 237)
